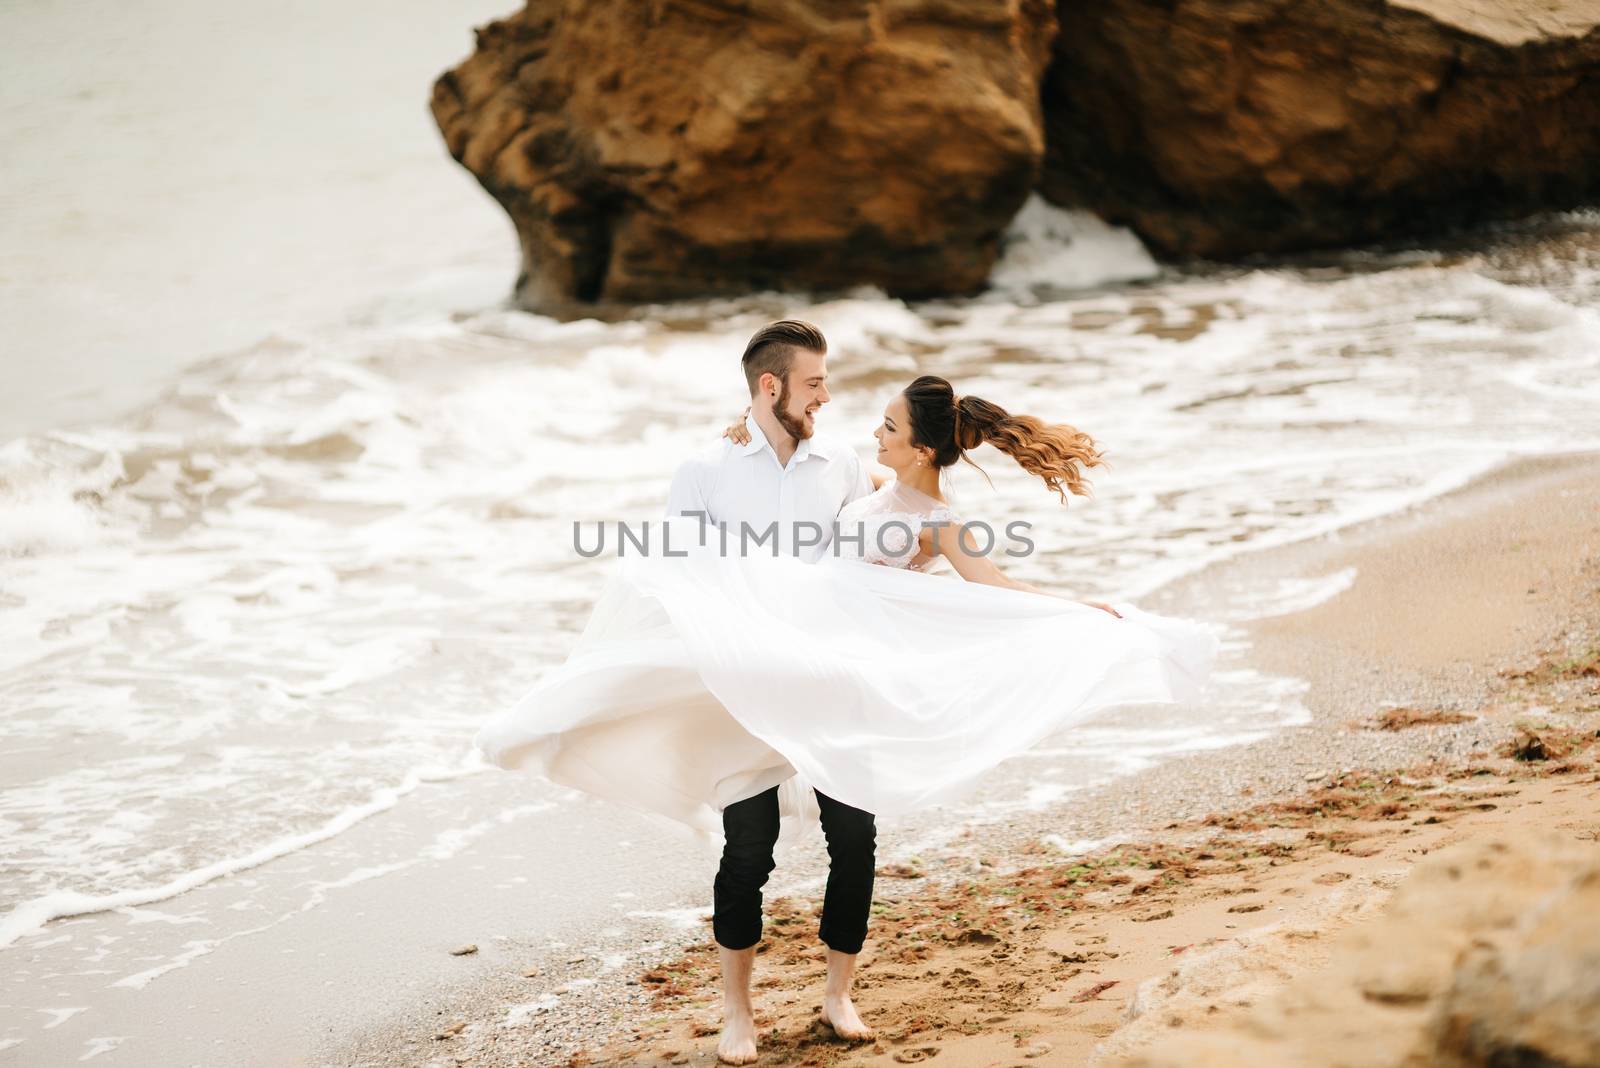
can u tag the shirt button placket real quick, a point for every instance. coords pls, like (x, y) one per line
(785, 509)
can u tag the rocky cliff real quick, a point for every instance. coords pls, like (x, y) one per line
(1222, 128)
(675, 148)
(655, 149)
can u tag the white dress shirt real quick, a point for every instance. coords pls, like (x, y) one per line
(732, 485)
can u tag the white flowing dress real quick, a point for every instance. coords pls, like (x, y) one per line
(707, 678)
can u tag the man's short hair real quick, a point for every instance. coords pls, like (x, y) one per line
(772, 349)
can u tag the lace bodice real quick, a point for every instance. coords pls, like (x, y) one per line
(884, 526)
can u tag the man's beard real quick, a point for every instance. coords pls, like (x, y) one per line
(796, 428)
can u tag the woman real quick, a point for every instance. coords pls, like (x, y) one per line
(705, 679)
(929, 411)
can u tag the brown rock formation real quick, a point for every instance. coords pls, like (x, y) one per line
(653, 149)
(1533, 998)
(1488, 954)
(1225, 127)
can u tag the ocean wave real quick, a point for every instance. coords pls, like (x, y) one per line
(332, 554)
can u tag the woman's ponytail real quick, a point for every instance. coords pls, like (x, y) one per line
(1055, 452)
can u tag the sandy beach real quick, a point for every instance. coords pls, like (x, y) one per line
(331, 335)
(1455, 694)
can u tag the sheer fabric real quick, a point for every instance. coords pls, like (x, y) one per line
(705, 679)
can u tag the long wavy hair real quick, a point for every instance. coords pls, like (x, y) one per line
(950, 425)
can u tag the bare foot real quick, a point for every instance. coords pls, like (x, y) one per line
(738, 1042)
(840, 1014)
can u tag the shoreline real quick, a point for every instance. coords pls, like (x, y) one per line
(1465, 537)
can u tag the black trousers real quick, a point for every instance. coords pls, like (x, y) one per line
(751, 828)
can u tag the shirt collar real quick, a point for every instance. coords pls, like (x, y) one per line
(758, 441)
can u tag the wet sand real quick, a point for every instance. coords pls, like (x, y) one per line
(1469, 620)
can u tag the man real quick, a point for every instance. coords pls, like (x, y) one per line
(784, 474)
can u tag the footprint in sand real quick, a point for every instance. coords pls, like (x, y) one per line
(916, 1053)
